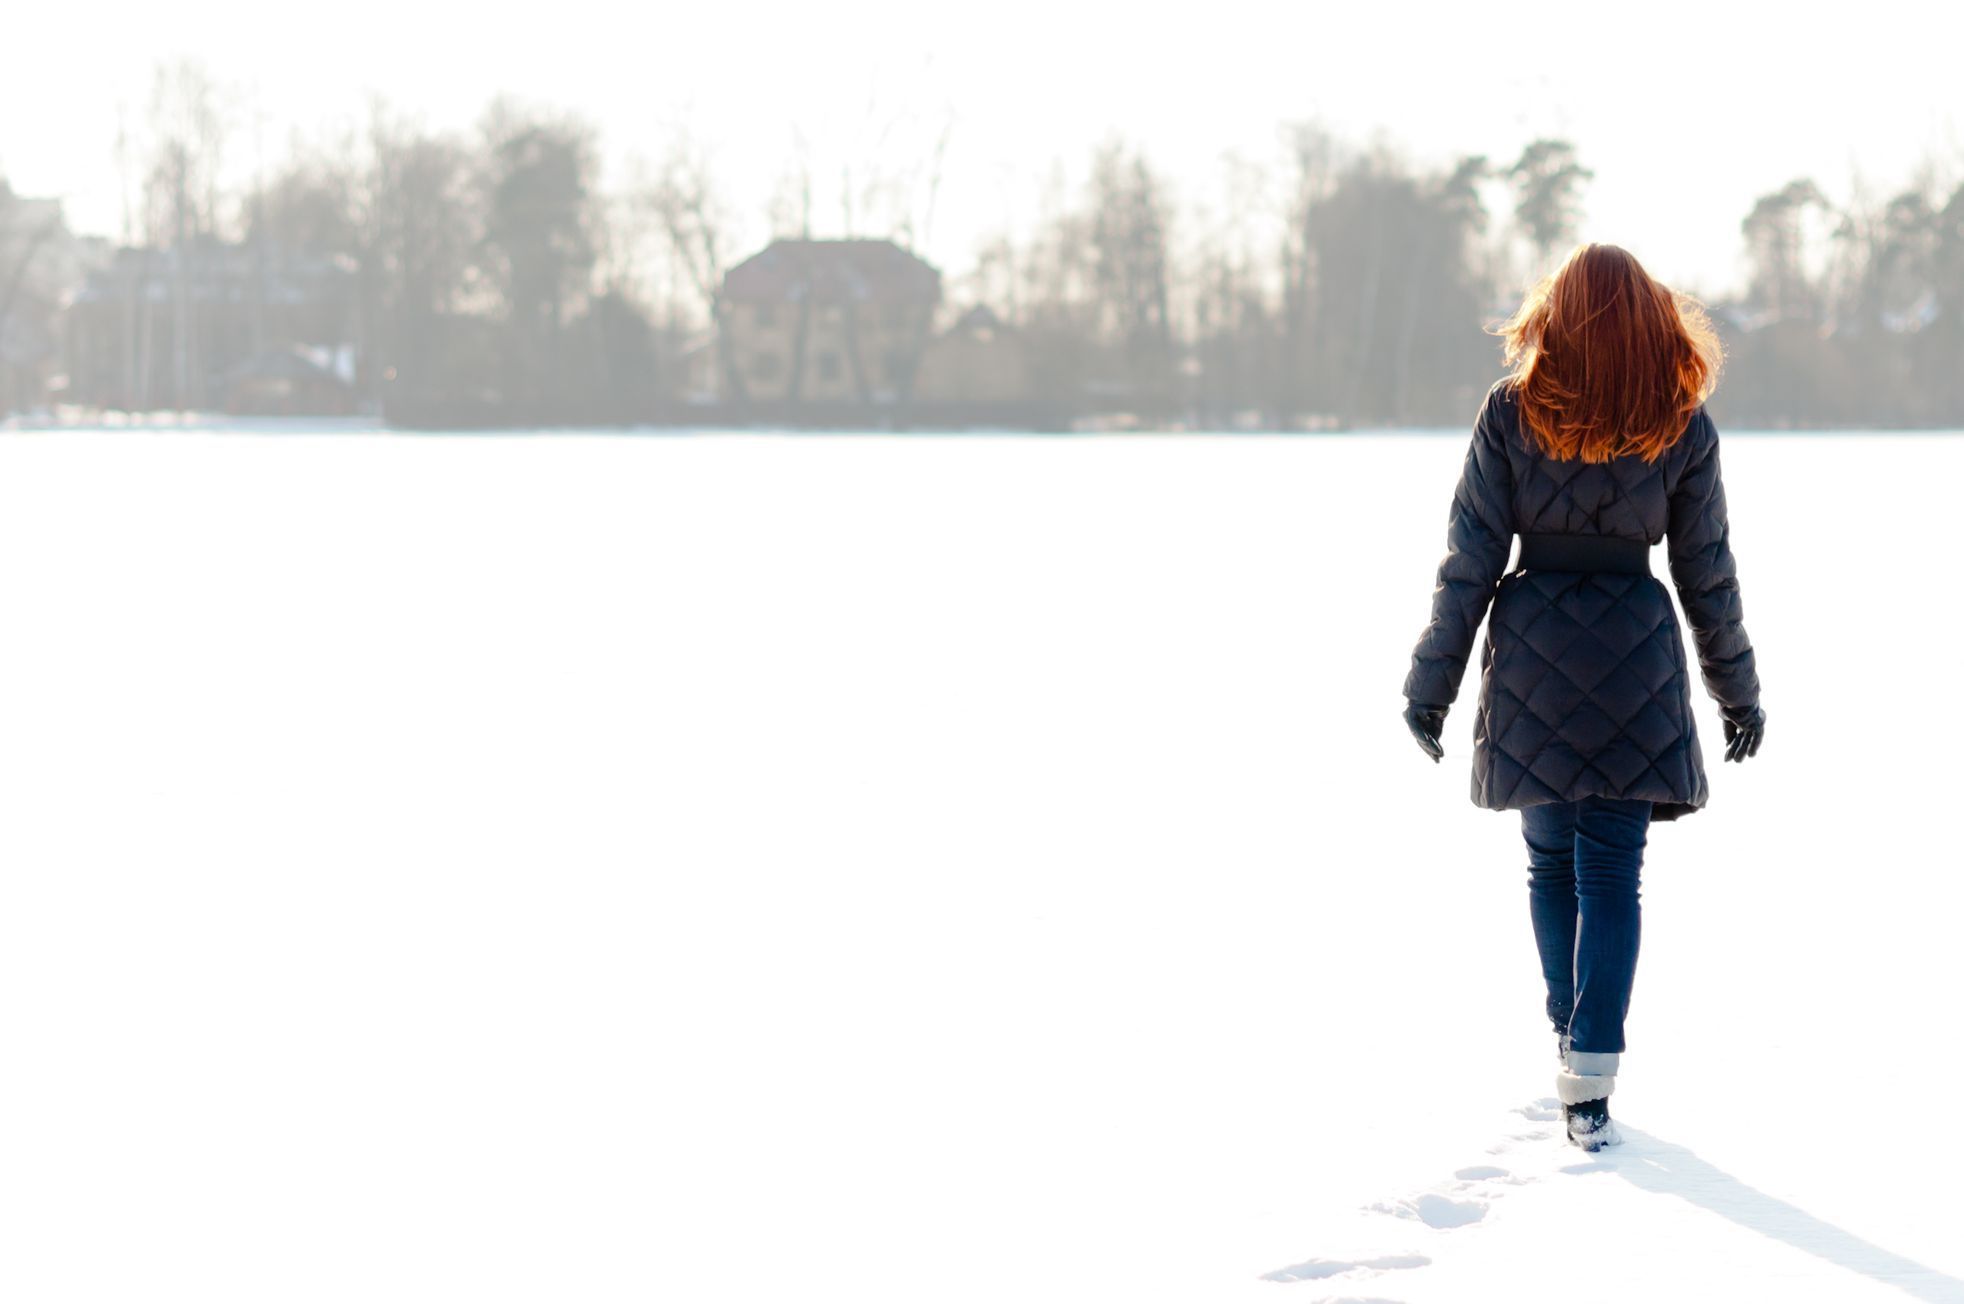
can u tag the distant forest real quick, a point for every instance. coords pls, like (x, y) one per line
(1345, 286)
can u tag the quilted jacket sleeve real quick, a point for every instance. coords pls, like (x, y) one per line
(1479, 537)
(1700, 550)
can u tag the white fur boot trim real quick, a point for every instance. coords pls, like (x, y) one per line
(1574, 1088)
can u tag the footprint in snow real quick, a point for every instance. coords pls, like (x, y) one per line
(1460, 1202)
(1435, 1210)
(1482, 1172)
(1321, 1269)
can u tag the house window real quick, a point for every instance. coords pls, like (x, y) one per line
(766, 315)
(765, 366)
(828, 366)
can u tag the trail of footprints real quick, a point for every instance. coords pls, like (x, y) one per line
(1460, 1202)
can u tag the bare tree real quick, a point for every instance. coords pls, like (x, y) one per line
(791, 204)
(1312, 161)
(1226, 298)
(188, 124)
(1128, 220)
(687, 206)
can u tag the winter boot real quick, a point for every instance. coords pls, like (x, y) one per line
(1590, 1126)
(1584, 1085)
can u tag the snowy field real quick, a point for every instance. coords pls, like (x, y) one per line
(922, 869)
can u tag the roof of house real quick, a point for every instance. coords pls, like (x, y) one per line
(877, 271)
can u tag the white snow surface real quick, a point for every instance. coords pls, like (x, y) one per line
(993, 868)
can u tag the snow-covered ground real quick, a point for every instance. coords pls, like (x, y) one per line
(921, 869)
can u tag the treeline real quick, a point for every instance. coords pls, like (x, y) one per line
(1854, 315)
(1335, 285)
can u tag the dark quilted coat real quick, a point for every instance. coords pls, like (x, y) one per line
(1584, 688)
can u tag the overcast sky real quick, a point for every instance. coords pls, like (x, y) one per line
(1685, 111)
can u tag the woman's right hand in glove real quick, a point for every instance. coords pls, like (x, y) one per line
(1744, 727)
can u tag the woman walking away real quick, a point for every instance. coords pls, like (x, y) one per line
(1594, 448)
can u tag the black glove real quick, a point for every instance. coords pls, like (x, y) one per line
(1427, 722)
(1744, 727)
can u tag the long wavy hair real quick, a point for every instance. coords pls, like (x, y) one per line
(1607, 361)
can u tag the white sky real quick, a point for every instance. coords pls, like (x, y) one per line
(1686, 111)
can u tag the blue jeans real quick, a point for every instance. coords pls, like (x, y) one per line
(1584, 858)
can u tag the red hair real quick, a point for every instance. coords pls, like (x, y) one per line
(1608, 361)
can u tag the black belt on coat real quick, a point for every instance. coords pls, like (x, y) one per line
(1584, 552)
